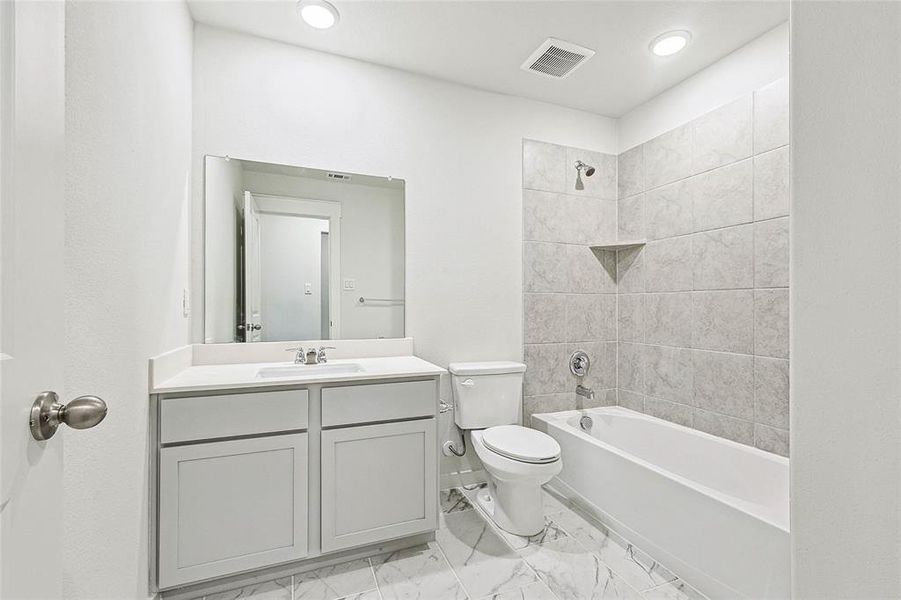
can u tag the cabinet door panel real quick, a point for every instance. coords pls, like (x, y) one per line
(231, 506)
(378, 482)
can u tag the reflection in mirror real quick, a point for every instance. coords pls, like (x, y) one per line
(301, 254)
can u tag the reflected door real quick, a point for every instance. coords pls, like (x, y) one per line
(253, 305)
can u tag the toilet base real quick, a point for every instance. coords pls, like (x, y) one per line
(517, 509)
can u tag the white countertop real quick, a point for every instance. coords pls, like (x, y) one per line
(244, 375)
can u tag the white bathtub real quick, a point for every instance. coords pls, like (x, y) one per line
(712, 510)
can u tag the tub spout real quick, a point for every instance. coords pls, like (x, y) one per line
(583, 392)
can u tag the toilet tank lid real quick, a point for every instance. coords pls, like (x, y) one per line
(486, 368)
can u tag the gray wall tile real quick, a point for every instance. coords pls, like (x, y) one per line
(544, 267)
(544, 219)
(771, 439)
(547, 369)
(668, 211)
(728, 427)
(771, 253)
(723, 197)
(587, 271)
(630, 172)
(602, 374)
(722, 136)
(546, 403)
(771, 391)
(630, 367)
(590, 317)
(630, 274)
(667, 157)
(630, 400)
(669, 411)
(544, 318)
(723, 258)
(724, 383)
(723, 321)
(600, 185)
(668, 373)
(630, 318)
(593, 220)
(771, 323)
(771, 125)
(543, 166)
(668, 318)
(667, 265)
(630, 215)
(771, 184)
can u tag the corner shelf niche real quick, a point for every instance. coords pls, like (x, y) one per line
(622, 245)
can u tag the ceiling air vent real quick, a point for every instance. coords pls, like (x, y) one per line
(339, 176)
(556, 58)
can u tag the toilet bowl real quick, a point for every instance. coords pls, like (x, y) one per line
(517, 460)
(513, 498)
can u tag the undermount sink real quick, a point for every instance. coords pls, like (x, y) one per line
(309, 370)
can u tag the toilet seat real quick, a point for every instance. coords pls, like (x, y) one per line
(521, 444)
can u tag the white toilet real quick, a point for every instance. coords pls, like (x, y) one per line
(518, 460)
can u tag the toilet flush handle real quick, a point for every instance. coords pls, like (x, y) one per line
(468, 382)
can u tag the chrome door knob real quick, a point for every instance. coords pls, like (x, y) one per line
(47, 413)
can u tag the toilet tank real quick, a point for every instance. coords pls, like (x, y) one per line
(487, 393)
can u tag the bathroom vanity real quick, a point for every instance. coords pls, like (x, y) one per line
(265, 463)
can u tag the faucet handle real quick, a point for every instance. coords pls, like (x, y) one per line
(321, 354)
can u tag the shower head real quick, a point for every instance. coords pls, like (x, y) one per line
(580, 167)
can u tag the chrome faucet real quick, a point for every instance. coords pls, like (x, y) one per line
(320, 356)
(583, 392)
(299, 356)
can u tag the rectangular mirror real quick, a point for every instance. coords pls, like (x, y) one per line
(293, 253)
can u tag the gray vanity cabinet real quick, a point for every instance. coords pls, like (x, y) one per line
(378, 482)
(231, 506)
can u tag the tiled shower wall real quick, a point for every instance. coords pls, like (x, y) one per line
(693, 327)
(569, 292)
(703, 307)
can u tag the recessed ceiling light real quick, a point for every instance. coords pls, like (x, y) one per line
(318, 14)
(669, 43)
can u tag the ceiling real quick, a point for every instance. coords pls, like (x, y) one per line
(483, 43)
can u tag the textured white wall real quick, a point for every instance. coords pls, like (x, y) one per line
(458, 149)
(128, 119)
(752, 66)
(846, 300)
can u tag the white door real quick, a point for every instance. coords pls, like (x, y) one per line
(253, 318)
(31, 275)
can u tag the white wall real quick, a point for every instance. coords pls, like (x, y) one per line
(372, 246)
(846, 300)
(290, 257)
(458, 149)
(224, 193)
(752, 66)
(128, 119)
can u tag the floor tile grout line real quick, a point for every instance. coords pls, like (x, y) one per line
(378, 588)
(494, 526)
(453, 571)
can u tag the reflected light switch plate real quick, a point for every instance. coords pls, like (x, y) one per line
(308, 289)
(350, 284)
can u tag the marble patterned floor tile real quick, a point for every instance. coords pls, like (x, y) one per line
(534, 591)
(279, 589)
(418, 573)
(367, 595)
(674, 590)
(573, 573)
(554, 503)
(637, 568)
(333, 582)
(454, 500)
(483, 562)
(551, 532)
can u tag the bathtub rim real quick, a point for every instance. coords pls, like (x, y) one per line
(559, 419)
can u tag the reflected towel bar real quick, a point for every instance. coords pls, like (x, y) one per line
(363, 300)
